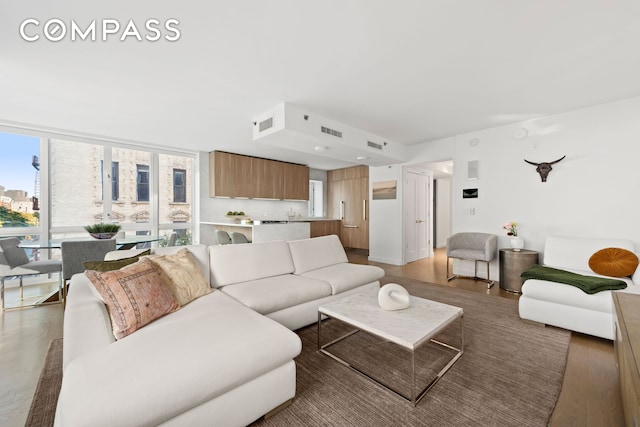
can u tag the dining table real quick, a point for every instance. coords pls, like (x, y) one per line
(122, 243)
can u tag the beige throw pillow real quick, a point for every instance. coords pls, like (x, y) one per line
(185, 279)
(135, 296)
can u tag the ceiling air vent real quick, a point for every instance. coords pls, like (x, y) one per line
(266, 124)
(374, 145)
(331, 132)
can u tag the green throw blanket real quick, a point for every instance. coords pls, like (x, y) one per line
(588, 284)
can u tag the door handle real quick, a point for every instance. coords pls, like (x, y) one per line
(364, 210)
(350, 226)
(341, 209)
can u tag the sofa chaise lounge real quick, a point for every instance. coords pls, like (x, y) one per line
(226, 358)
(567, 306)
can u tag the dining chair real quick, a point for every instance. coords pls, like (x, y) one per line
(15, 262)
(237, 237)
(75, 252)
(222, 237)
(172, 239)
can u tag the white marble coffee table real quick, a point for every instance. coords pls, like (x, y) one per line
(410, 328)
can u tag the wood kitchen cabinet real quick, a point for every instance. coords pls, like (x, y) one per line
(296, 182)
(235, 175)
(268, 176)
(324, 228)
(221, 174)
(348, 199)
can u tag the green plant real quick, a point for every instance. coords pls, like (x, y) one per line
(102, 228)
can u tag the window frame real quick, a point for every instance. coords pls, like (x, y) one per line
(183, 187)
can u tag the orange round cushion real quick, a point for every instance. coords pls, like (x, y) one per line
(614, 262)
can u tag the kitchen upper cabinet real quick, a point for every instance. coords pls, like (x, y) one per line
(244, 176)
(348, 194)
(296, 182)
(221, 174)
(268, 176)
(234, 175)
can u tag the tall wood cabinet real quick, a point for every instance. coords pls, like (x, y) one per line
(235, 175)
(348, 199)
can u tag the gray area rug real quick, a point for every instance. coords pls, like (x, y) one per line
(45, 398)
(509, 375)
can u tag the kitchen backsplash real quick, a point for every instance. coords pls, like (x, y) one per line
(213, 209)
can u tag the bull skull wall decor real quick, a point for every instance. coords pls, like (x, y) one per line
(544, 168)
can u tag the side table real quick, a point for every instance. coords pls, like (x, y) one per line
(512, 265)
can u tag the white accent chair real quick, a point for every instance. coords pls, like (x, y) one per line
(475, 247)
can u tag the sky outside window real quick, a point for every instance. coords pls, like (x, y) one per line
(16, 152)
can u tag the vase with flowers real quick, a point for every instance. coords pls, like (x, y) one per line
(512, 230)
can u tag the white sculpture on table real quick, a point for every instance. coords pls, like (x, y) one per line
(393, 297)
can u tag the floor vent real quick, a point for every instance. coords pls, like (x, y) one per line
(374, 145)
(331, 132)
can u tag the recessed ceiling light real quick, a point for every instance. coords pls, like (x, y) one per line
(520, 133)
(320, 148)
(361, 158)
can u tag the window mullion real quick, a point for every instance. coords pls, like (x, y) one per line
(106, 185)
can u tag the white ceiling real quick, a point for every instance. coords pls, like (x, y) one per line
(408, 71)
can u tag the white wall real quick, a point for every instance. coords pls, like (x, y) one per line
(592, 193)
(443, 211)
(385, 223)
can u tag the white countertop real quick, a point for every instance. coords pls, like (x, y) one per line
(284, 221)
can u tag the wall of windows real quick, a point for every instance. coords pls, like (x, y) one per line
(147, 191)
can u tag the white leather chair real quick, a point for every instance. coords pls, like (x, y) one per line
(15, 262)
(475, 247)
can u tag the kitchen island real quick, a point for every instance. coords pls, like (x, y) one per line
(262, 232)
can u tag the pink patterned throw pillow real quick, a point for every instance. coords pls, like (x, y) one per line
(135, 296)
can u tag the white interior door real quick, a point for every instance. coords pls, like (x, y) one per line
(417, 214)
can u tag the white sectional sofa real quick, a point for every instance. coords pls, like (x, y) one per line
(288, 281)
(224, 359)
(566, 306)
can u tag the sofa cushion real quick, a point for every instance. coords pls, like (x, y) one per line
(345, 276)
(568, 295)
(275, 293)
(244, 263)
(199, 252)
(573, 253)
(135, 296)
(184, 277)
(315, 253)
(176, 363)
(614, 262)
(115, 264)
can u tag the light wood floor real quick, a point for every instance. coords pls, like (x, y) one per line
(590, 394)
